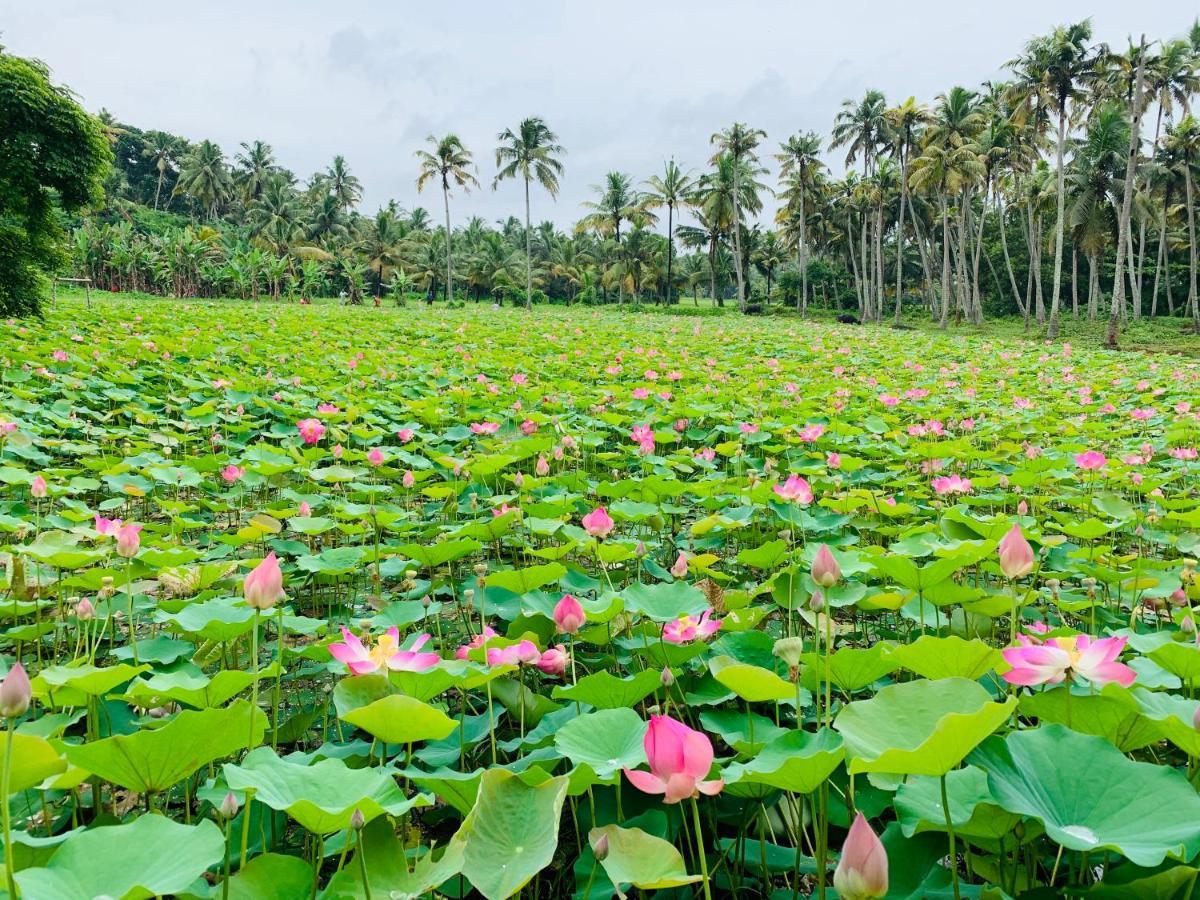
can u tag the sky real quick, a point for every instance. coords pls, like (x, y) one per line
(626, 84)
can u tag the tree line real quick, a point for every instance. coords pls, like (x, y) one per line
(1067, 188)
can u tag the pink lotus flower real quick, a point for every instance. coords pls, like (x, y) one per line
(107, 527)
(409, 479)
(521, 653)
(810, 433)
(37, 488)
(485, 427)
(311, 430)
(1091, 460)
(232, 474)
(386, 654)
(1016, 556)
(680, 760)
(707, 454)
(529, 427)
(795, 490)
(554, 660)
(263, 587)
(129, 541)
(1050, 663)
(748, 428)
(825, 569)
(569, 616)
(15, 692)
(304, 510)
(404, 435)
(833, 460)
(327, 409)
(686, 629)
(542, 468)
(862, 871)
(598, 523)
(679, 568)
(375, 457)
(951, 484)
(1182, 453)
(476, 642)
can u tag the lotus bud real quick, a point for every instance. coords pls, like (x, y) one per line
(1016, 555)
(229, 806)
(639, 549)
(786, 535)
(1196, 719)
(600, 847)
(357, 819)
(1022, 508)
(85, 611)
(816, 602)
(668, 677)
(825, 569)
(15, 692)
(862, 872)
(569, 616)
(263, 587)
(680, 568)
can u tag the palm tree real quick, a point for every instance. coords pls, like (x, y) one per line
(617, 202)
(344, 186)
(738, 142)
(255, 164)
(904, 123)
(163, 150)
(1181, 153)
(204, 177)
(449, 161)
(532, 152)
(767, 257)
(800, 169)
(1051, 74)
(673, 189)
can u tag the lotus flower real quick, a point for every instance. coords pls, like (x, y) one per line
(554, 660)
(232, 474)
(263, 587)
(1016, 556)
(476, 642)
(311, 430)
(523, 652)
(15, 692)
(129, 540)
(825, 569)
(598, 523)
(679, 759)
(862, 872)
(1091, 460)
(375, 457)
(951, 484)
(38, 489)
(569, 616)
(686, 629)
(386, 654)
(1050, 663)
(106, 527)
(680, 567)
(795, 490)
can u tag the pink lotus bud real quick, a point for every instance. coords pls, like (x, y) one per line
(639, 549)
(1016, 556)
(667, 678)
(862, 872)
(38, 489)
(375, 457)
(15, 692)
(84, 610)
(825, 569)
(600, 847)
(129, 541)
(357, 819)
(569, 615)
(817, 601)
(680, 567)
(409, 479)
(1196, 719)
(598, 523)
(1022, 508)
(264, 585)
(305, 510)
(554, 660)
(229, 806)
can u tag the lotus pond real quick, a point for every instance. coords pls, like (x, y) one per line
(392, 603)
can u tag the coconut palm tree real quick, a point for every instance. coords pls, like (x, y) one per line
(344, 186)
(1052, 74)
(531, 152)
(449, 161)
(905, 123)
(253, 166)
(204, 177)
(738, 142)
(1181, 153)
(162, 149)
(800, 170)
(673, 189)
(616, 202)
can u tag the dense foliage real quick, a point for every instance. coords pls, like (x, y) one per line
(50, 150)
(1011, 197)
(554, 605)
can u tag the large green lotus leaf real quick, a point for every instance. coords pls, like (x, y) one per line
(766, 556)
(640, 859)
(321, 797)
(1091, 797)
(1178, 659)
(1113, 714)
(33, 760)
(272, 876)
(850, 669)
(512, 832)
(1129, 881)
(195, 690)
(522, 581)
(1174, 716)
(608, 740)
(459, 789)
(400, 719)
(334, 561)
(919, 727)
(221, 619)
(798, 761)
(973, 810)
(664, 601)
(752, 683)
(604, 690)
(61, 685)
(151, 760)
(390, 873)
(439, 554)
(947, 657)
(150, 857)
(747, 732)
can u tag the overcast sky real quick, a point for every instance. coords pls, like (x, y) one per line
(626, 84)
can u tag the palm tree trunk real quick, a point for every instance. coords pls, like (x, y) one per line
(1074, 281)
(670, 247)
(879, 260)
(1012, 278)
(1191, 218)
(737, 241)
(1124, 244)
(449, 254)
(868, 291)
(528, 254)
(803, 305)
(945, 311)
(158, 188)
(1158, 260)
(900, 238)
(1093, 287)
(1060, 212)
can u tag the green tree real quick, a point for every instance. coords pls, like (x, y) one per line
(50, 149)
(205, 178)
(673, 189)
(530, 152)
(739, 142)
(449, 162)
